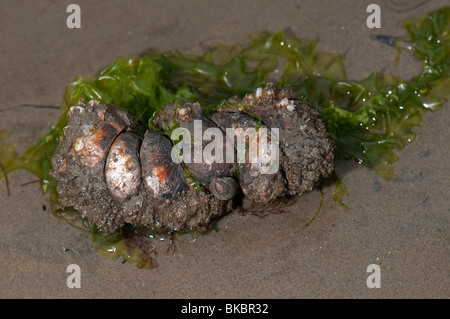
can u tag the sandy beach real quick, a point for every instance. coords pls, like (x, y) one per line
(401, 225)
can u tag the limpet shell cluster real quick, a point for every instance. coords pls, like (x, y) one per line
(113, 176)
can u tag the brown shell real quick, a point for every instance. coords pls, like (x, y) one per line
(223, 188)
(162, 177)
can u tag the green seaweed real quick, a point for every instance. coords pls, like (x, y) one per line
(369, 120)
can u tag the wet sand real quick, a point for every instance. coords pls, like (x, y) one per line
(401, 225)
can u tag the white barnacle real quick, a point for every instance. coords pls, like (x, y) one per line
(93, 102)
(269, 93)
(78, 145)
(101, 115)
(76, 107)
(85, 129)
(153, 183)
(258, 93)
(284, 102)
(290, 106)
(66, 129)
(265, 159)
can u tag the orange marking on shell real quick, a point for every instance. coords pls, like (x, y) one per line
(90, 148)
(161, 173)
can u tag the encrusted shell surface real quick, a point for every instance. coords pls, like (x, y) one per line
(206, 158)
(78, 163)
(256, 183)
(307, 147)
(106, 173)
